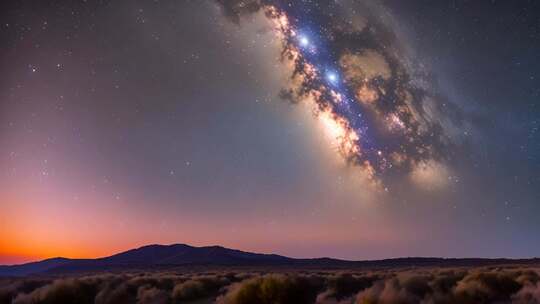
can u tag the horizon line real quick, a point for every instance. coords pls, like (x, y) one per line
(266, 253)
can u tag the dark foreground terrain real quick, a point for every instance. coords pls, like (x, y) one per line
(493, 284)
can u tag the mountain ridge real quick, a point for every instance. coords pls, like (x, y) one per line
(174, 255)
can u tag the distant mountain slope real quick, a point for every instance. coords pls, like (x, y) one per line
(34, 267)
(150, 256)
(153, 256)
(179, 254)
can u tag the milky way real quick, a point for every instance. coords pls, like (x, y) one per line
(382, 112)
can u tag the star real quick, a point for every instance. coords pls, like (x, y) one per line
(332, 77)
(304, 41)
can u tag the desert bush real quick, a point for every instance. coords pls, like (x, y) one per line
(271, 289)
(486, 287)
(199, 287)
(152, 295)
(60, 291)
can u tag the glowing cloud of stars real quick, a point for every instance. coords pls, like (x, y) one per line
(382, 116)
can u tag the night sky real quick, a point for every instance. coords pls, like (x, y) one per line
(350, 129)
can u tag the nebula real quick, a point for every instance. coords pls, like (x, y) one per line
(383, 113)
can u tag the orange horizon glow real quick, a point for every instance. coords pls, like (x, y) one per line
(19, 248)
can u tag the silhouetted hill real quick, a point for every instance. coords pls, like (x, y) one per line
(179, 254)
(154, 256)
(34, 267)
(150, 256)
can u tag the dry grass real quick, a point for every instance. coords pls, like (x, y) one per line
(422, 285)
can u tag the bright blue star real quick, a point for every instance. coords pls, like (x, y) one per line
(332, 77)
(304, 41)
